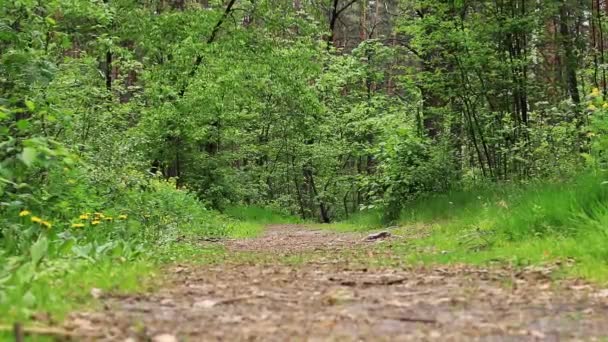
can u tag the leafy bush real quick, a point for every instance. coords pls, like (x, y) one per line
(57, 212)
(411, 167)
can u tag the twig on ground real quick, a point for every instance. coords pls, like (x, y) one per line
(412, 319)
(237, 299)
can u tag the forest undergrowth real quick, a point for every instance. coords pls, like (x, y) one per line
(135, 135)
(514, 225)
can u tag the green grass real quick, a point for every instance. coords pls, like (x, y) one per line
(250, 221)
(62, 286)
(359, 222)
(8, 336)
(508, 224)
(513, 224)
(65, 286)
(244, 229)
(533, 224)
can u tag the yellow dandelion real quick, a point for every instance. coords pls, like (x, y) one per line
(46, 224)
(109, 218)
(36, 219)
(96, 222)
(77, 225)
(23, 213)
(99, 215)
(122, 217)
(595, 92)
(84, 217)
(592, 107)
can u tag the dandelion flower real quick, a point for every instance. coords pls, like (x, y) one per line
(36, 219)
(109, 218)
(96, 222)
(84, 217)
(99, 216)
(23, 213)
(46, 224)
(122, 217)
(77, 225)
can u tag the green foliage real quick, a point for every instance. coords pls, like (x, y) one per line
(519, 212)
(124, 124)
(361, 221)
(410, 167)
(260, 215)
(71, 283)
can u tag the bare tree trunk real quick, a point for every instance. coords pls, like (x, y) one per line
(323, 210)
(336, 10)
(570, 58)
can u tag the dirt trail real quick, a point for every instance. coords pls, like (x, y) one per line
(333, 297)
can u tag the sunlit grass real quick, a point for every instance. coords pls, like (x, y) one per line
(517, 225)
(250, 221)
(66, 288)
(513, 225)
(244, 229)
(535, 224)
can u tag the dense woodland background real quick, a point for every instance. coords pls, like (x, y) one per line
(320, 108)
(130, 126)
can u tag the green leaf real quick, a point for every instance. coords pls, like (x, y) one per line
(30, 105)
(51, 21)
(67, 247)
(29, 155)
(29, 299)
(23, 125)
(39, 249)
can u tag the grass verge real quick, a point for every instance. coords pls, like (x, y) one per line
(249, 221)
(518, 225)
(59, 286)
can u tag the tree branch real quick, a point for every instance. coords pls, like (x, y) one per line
(221, 21)
(346, 6)
(334, 16)
(211, 39)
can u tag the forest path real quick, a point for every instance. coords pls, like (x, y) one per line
(295, 283)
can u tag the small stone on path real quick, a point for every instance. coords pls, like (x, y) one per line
(164, 338)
